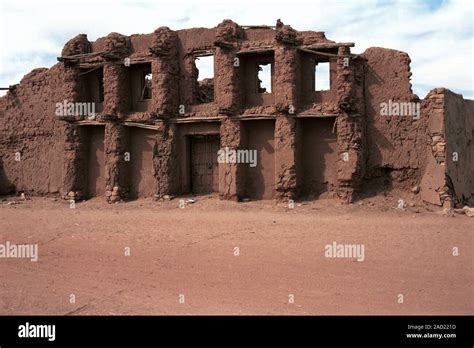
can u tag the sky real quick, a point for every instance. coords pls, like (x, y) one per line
(438, 35)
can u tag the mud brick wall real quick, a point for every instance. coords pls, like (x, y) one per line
(395, 144)
(448, 175)
(459, 135)
(29, 126)
(433, 182)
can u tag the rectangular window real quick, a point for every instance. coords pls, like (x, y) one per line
(256, 71)
(146, 85)
(205, 80)
(205, 66)
(92, 82)
(264, 77)
(141, 86)
(322, 76)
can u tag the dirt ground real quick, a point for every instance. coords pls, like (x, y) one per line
(189, 254)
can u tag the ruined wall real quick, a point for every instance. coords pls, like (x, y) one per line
(395, 144)
(433, 187)
(372, 152)
(448, 178)
(459, 135)
(28, 125)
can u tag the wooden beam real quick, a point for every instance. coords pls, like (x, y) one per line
(317, 52)
(328, 45)
(249, 117)
(195, 119)
(203, 53)
(265, 49)
(258, 26)
(141, 125)
(91, 70)
(315, 115)
(9, 88)
(88, 123)
(79, 56)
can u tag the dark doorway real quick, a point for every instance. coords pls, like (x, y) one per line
(142, 179)
(317, 167)
(95, 161)
(204, 166)
(260, 180)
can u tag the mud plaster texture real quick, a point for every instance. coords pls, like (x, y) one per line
(44, 153)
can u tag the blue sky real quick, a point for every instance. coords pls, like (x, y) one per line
(438, 35)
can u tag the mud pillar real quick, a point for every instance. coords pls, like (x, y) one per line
(165, 75)
(190, 87)
(165, 160)
(74, 167)
(165, 72)
(74, 184)
(226, 82)
(227, 97)
(285, 149)
(230, 181)
(227, 63)
(349, 124)
(285, 126)
(116, 90)
(116, 175)
(285, 78)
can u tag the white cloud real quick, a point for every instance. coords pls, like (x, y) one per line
(438, 35)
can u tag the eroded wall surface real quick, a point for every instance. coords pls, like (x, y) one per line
(459, 135)
(448, 176)
(32, 139)
(395, 144)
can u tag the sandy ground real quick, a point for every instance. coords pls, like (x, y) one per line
(190, 252)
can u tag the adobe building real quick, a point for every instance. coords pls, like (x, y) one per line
(156, 129)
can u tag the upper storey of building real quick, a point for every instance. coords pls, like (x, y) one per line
(257, 71)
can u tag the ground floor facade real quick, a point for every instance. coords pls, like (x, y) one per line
(246, 158)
